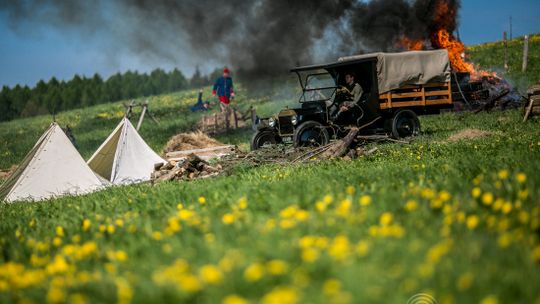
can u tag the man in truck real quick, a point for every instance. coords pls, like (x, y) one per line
(353, 108)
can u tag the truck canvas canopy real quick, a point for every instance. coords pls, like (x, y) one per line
(395, 70)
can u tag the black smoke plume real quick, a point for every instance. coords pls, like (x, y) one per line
(258, 39)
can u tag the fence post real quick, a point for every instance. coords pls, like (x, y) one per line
(525, 53)
(235, 119)
(253, 118)
(144, 108)
(505, 43)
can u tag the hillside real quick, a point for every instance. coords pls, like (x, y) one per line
(453, 215)
(491, 56)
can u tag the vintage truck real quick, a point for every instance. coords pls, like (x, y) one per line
(397, 87)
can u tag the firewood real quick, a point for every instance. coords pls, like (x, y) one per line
(341, 147)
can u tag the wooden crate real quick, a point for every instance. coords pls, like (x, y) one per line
(431, 94)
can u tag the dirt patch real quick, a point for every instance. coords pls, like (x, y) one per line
(469, 134)
(190, 141)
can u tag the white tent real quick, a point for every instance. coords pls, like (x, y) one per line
(52, 168)
(124, 157)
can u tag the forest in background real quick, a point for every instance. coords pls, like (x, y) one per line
(57, 95)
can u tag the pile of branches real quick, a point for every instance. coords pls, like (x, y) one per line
(193, 167)
(190, 168)
(502, 95)
(349, 147)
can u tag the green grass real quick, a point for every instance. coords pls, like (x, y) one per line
(454, 248)
(491, 56)
(457, 220)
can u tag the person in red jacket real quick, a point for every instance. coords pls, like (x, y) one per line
(223, 88)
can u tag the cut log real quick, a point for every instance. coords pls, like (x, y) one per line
(201, 152)
(341, 147)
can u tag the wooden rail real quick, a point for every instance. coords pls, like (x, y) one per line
(431, 94)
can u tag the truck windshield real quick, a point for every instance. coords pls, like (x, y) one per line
(318, 87)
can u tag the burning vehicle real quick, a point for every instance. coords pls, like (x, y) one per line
(397, 87)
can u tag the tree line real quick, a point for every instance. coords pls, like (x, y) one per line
(55, 96)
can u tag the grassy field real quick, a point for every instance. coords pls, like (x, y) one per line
(451, 216)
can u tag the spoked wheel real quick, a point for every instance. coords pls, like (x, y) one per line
(311, 134)
(264, 138)
(405, 123)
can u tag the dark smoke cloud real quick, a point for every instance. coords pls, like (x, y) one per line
(259, 39)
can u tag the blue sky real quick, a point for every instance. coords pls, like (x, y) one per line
(33, 52)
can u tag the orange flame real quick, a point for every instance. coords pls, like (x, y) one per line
(443, 17)
(456, 49)
(410, 44)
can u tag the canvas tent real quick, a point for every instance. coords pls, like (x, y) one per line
(52, 168)
(394, 70)
(124, 157)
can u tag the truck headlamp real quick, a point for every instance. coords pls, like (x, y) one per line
(272, 122)
(294, 120)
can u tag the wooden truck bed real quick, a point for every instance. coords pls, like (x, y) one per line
(431, 94)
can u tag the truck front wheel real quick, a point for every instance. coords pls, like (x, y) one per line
(264, 138)
(311, 133)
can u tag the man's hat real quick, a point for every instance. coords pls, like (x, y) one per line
(226, 70)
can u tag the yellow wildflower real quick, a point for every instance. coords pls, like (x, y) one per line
(411, 205)
(350, 190)
(444, 196)
(491, 299)
(320, 206)
(119, 222)
(254, 272)
(310, 255)
(506, 207)
(535, 254)
(521, 177)
(234, 299)
(328, 199)
(343, 208)
(287, 224)
(281, 295)
(386, 219)
(228, 218)
(124, 292)
(58, 265)
(110, 229)
(211, 274)
(276, 267)
(120, 255)
(242, 203)
(57, 241)
(364, 200)
(472, 221)
(202, 200)
(340, 248)
(487, 198)
(189, 283)
(59, 231)
(476, 192)
(503, 174)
